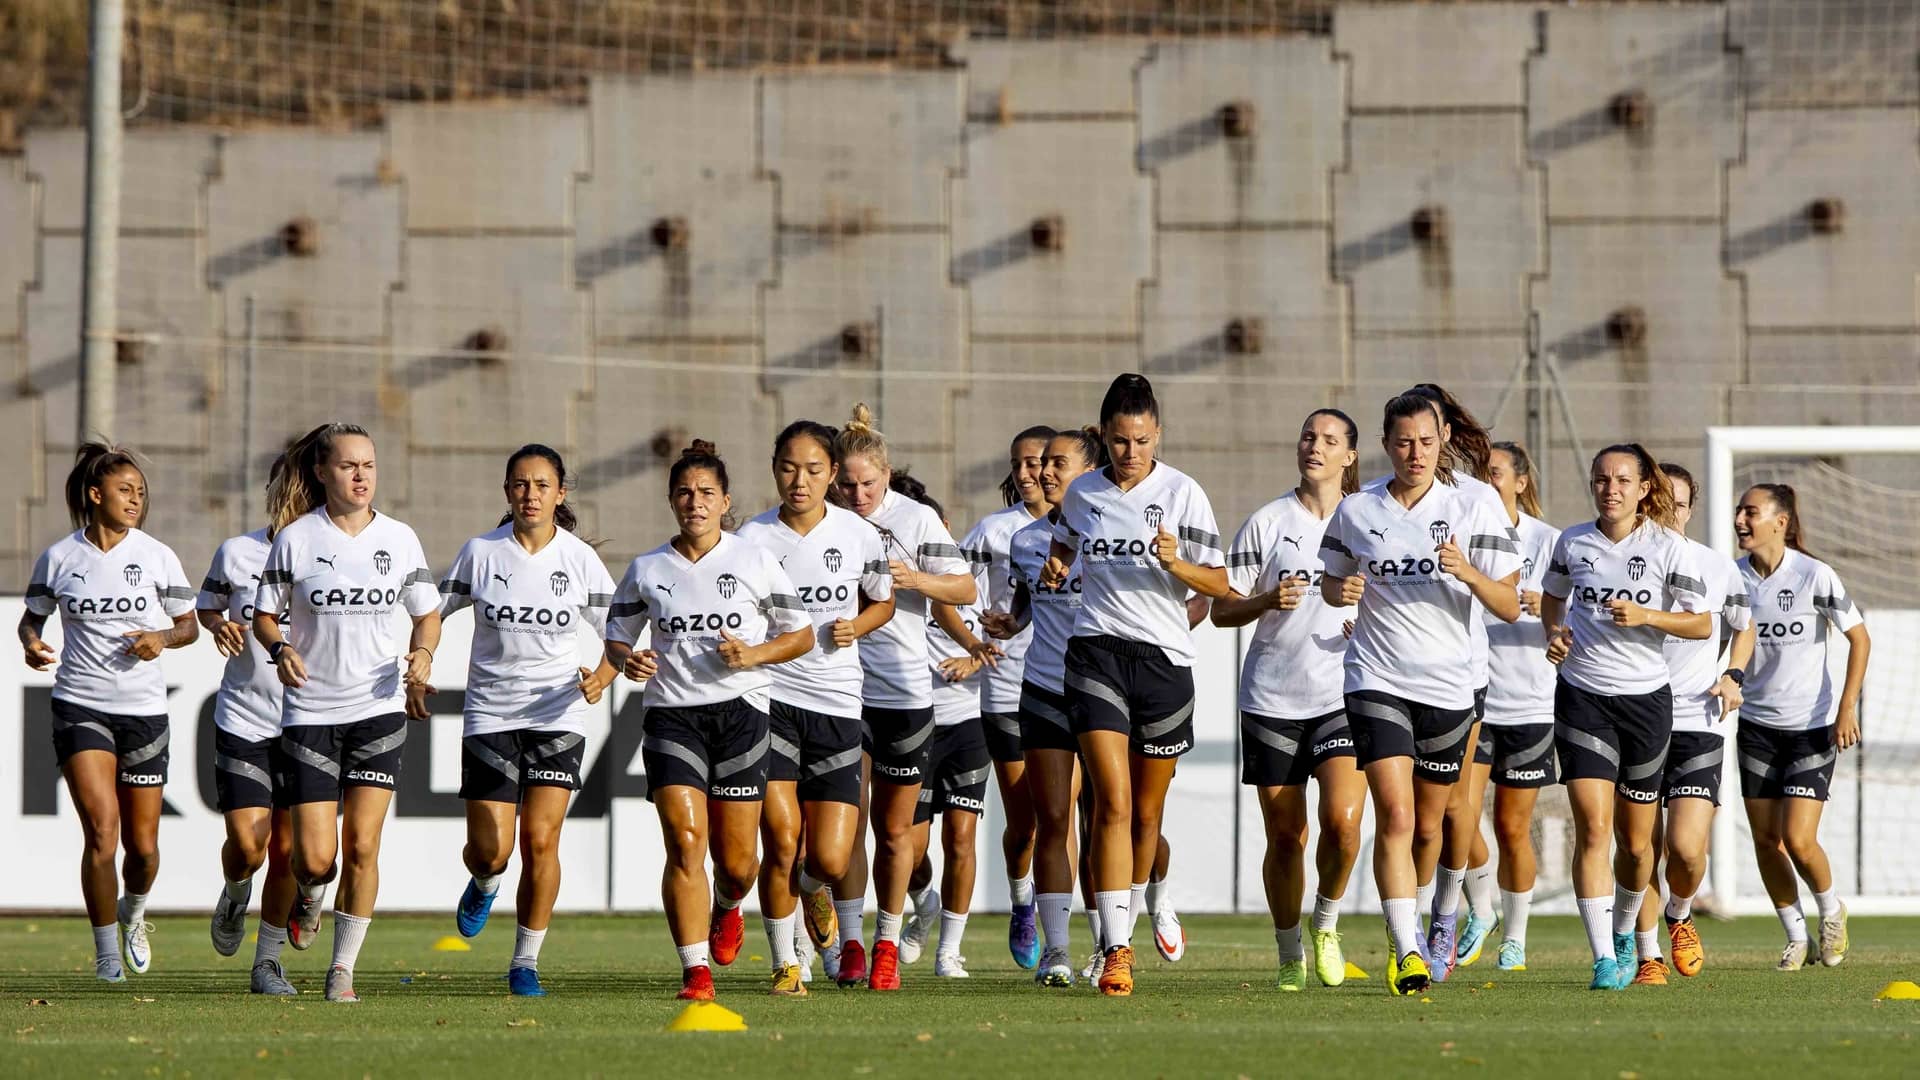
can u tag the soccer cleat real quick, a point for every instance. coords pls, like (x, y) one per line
(1091, 973)
(1293, 976)
(1833, 939)
(696, 984)
(1055, 968)
(1626, 959)
(1442, 945)
(728, 932)
(1474, 938)
(303, 924)
(816, 911)
(470, 915)
(804, 953)
(109, 969)
(787, 981)
(525, 982)
(133, 940)
(1652, 972)
(1689, 956)
(1329, 961)
(1410, 975)
(1169, 937)
(340, 986)
(270, 979)
(852, 970)
(1793, 957)
(1023, 936)
(830, 961)
(913, 940)
(1513, 956)
(950, 966)
(1605, 974)
(886, 967)
(229, 922)
(1116, 974)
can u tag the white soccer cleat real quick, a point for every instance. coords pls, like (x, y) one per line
(913, 941)
(109, 969)
(133, 941)
(1169, 937)
(803, 952)
(1793, 957)
(950, 966)
(340, 986)
(229, 922)
(1096, 964)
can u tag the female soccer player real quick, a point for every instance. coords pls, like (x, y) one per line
(1703, 694)
(927, 566)
(1145, 535)
(336, 572)
(535, 586)
(1790, 727)
(1616, 587)
(1293, 721)
(246, 758)
(1414, 554)
(123, 600)
(720, 610)
(839, 567)
(1515, 749)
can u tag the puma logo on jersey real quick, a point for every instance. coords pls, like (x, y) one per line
(668, 589)
(82, 578)
(1294, 540)
(328, 559)
(506, 580)
(1381, 533)
(1096, 512)
(1591, 567)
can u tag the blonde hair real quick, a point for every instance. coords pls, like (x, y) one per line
(296, 489)
(860, 438)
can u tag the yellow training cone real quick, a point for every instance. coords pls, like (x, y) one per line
(1354, 971)
(451, 944)
(707, 1016)
(1899, 990)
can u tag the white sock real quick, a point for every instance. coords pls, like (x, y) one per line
(1596, 913)
(724, 902)
(1402, 925)
(488, 884)
(852, 915)
(349, 933)
(1480, 889)
(1114, 917)
(1649, 942)
(780, 939)
(1289, 942)
(1514, 909)
(1626, 909)
(886, 927)
(927, 901)
(240, 891)
(810, 884)
(1093, 924)
(1136, 904)
(1679, 907)
(1056, 911)
(953, 927)
(1423, 897)
(106, 941)
(1829, 903)
(313, 892)
(268, 945)
(1446, 894)
(1156, 895)
(133, 907)
(693, 956)
(526, 947)
(1326, 913)
(1020, 889)
(1795, 923)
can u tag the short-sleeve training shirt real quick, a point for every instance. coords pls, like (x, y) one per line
(1788, 685)
(1473, 487)
(1520, 679)
(989, 546)
(1051, 612)
(895, 655)
(1651, 567)
(1412, 635)
(737, 587)
(837, 562)
(249, 700)
(1694, 666)
(529, 611)
(102, 596)
(340, 593)
(1293, 667)
(1124, 592)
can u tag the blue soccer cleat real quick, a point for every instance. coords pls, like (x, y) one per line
(1474, 937)
(1626, 959)
(1023, 937)
(525, 982)
(1605, 974)
(475, 906)
(1441, 945)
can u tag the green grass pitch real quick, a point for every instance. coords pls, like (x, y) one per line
(429, 1013)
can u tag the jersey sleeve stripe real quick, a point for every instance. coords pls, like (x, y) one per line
(1244, 558)
(1490, 542)
(1330, 542)
(1208, 540)
(1554, 566)
(627, 609)
(879, 566)
(177, 592)
(35, 592)
(456, 587)
(943, 551)
(1683, 581)
(1841, 604)
(419, 577)
(276, 577)
(211, 585)
(1738, 599)
(782, 600)
(599, 599)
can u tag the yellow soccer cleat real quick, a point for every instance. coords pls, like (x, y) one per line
(1411, 976)
(786, 981)
(1329, 962)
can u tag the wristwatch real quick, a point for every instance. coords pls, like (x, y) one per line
(274, 650)
(1738, 676)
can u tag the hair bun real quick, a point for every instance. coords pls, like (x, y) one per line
(862, 420)
(1092, 431)
(700, 448)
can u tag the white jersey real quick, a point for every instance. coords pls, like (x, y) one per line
(1788, 685)
(1651, 567)
(895, 655)
(832, 567)
(1520, 679)
(1125, 593)
(953, 702)
(1292, 669)
(1693, 667)
(340, 593)
(1412, 635)
(737, 587)
(1051, 612)
(523, 670)
(102, 596)
(249, 701)
(1479, 648)
(989, 549)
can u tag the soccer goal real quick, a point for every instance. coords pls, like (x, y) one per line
(1859, 496)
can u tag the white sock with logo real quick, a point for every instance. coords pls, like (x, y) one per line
(852, 915)
(1626, 909)
(526, 947)
(886, 927)
(349, 933)
(1289, 941)
(1648, 942)
(1794, 922)
(1403, 925)
(1596, 914)
(269, 943)
(1326, 913)
(133, 907)
(1679, 908)
(1056, 912)
(953, 927)
(1514, 909)
(693, 956)
(488, 884)
(725, 902)
(106, 942)
(1446, 895)
(1114, 917)
(1020, 889)
(780, 939)
(1481, 887)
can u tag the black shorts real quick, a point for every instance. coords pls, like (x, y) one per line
(900, 741)
(1620, 738)
(1521, 755)
(957, 772)
(817, 751)
(1043, 720)
(243, 772)
(1130, 687)
(139, 742)
(495, 766)
(1694, 761)
(1003, 735)
(1385, 726)
(324, 759)
(720, 749)
(1777, 764)
(1285, 753)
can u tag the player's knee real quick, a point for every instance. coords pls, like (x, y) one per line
(311, 869)
(738, 868)
(539, 843)
(1802, 847)
(781, 849)
(828, 866)
(361, 852)
(1397, 819)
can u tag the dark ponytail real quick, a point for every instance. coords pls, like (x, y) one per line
(1349, 476)
(1658, 505)
(1469, 444)
(92, 464)
(1787, 502)
(1009, 491)
(1093, 448)
(563, 515)
(1129, 395)
(1408, 406)
(1676, 471)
